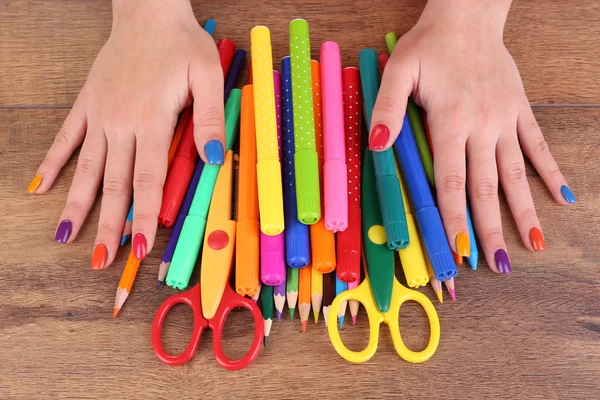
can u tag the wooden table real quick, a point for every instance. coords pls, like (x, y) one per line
(534, 334)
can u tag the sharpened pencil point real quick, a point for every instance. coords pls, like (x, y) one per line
(316, 313)
(341, 320)
(440, 296)
(304, 326)
(124, 239)
(292, 313)
(354, 320)
(158, 285)
(278, 315)
(452, 294)
(115, 312)
(265, 341)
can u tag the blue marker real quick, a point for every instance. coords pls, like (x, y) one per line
(297, 245)
(474, 256)
(209, 26)
(424, 209)
(237, 65)
(340, 287)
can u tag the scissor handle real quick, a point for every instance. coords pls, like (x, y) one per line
(401, 295)
(192, 299)
(229, 301)
(361, 293)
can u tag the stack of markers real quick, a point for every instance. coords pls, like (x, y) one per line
(298, 204)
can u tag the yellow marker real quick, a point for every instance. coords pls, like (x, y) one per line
(268, 168)
(219, 242)
(412, 259)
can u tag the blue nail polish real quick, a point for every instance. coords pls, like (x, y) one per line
(214, 152)
(567, 194)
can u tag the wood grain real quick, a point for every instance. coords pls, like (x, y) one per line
(48, 46)
(534, 334)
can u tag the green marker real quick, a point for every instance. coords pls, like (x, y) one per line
(291, 290)
(416, 123)
(306, 163)
(192, 232)
(380, 259)
(387, 183)
(265, 302)
(390, 40)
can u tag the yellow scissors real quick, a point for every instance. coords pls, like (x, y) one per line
(380, 293)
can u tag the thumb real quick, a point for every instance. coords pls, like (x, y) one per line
(397, 84)
(206, 84)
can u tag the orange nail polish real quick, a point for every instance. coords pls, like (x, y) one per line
(34, 184)
(99, 257)
(463, 245)
(458, 259)
(537, 239)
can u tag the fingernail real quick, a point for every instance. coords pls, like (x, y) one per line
(458, 259)
(537, 239)
(567, 194)
(214, 152)
(99, 257)
(34, 184)
(379, 137)
(463, 244)
(139, 246)
(502, 261)
(63, 231)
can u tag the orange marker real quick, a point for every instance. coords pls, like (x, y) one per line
(183, 120)
(248, 249)
(304, 278)
(127, 278)
(322, 241)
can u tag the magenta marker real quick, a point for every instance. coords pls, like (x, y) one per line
(334, 151)
(272, 252)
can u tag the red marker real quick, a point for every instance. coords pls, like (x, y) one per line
(349, 241)
(226, 49)
(383, 59)
(179, 176)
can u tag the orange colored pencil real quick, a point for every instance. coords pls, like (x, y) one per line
(304, 280)
(322, 241)
(126, 282)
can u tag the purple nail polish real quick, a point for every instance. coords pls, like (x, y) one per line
(502, 261)
(63, 231)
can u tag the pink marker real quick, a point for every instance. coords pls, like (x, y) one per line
(272, 253)
(334, 169)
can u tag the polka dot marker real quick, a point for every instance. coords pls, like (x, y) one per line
(268, 167)
(305, 157)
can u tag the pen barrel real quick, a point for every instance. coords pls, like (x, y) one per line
(297, 244)
(349, 247)
(436, 243)
(412, 259)
(237, 65)
(420, 137)
(390, 40)
(270, 196)
(306, 163)
(392, 211)
(176, 184)
(333, 102)
(247, 257)
(322, 244)
(186, 252)
(272, 259)
(335, 182)
(226, 49)
(247, 185)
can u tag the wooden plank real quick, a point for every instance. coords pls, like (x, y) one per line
(533, 334)
(46, 50)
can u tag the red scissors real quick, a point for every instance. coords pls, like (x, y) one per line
(219, 298)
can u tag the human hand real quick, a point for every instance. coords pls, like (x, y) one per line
(155, 61)
(455, 65)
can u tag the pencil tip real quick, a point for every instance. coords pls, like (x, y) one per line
(158, 285)
(452, 294)
(341, 321)
(316, 313)
(265, 341)
(354, 320)
(115, 312)
(292, 313)
(124, 239)
(304, 327)
(440, 296)
(278, 315)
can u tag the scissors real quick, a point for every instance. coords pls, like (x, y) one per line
(380, 293)
(213, 298)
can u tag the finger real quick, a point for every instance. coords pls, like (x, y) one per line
(68, 138)
(537, 150)
(206, 84)
(84, 187)
(150, 171)
(450, 180)
(511, 167)
(116, 198)
(397, 84)
(483, 192)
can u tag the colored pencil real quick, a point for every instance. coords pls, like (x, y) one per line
(126, 282)
(328, 293)
(340, 287)
(316, 289)
(266, 306)
(304, 278)
(279, 297)
(291, 290)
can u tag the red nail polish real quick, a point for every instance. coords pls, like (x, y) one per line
(139, 246)
(379, 137)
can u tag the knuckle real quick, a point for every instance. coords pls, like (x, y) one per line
(456, 219)
(145, 217)
(515, 173)
(105, 229)
(87, 168)
(494, 235)
(528, 214)
(453, 183)
(541, 147)
(486, 190)
(145, 181)
(209, 119)
(114, 186)
(74, 206)
(387, 104)
(62, 138)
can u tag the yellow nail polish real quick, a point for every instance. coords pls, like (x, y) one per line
(463, 245)
(34, 184)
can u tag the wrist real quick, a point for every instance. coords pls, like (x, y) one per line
(483, 16)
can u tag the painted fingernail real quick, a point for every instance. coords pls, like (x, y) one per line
(567, 194)
(63, 231)
(34, 184)
(463, 244)
(214, 152)
(458, 259)
(139, 246)
(502, 261)
(537, 239)
(99, 257)
(379, 137)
